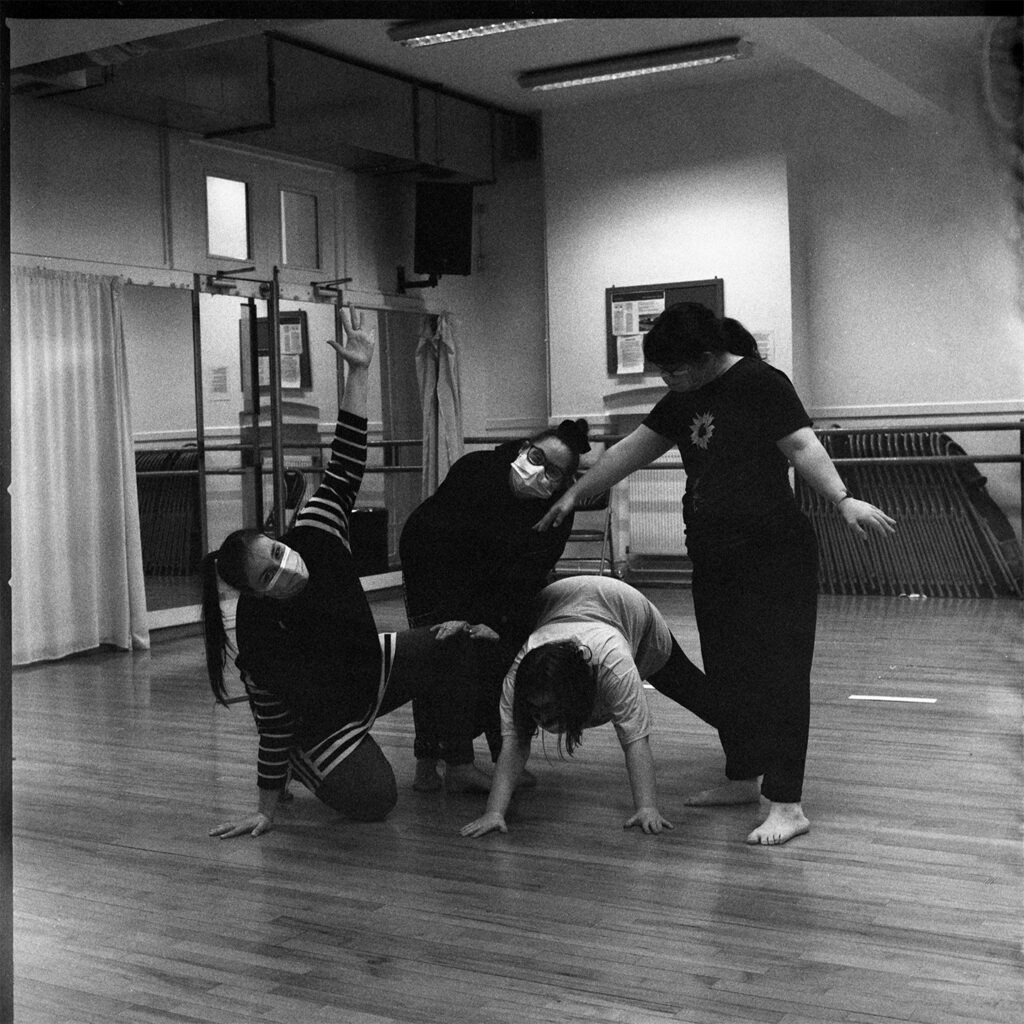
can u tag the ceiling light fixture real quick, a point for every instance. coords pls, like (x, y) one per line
(427, 33)
(630, 66)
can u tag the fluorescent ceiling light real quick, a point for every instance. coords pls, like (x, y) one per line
(635, 64)
(427, 33)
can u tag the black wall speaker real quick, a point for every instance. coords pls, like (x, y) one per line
(444, 228)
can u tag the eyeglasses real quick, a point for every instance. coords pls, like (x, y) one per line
(674, 368)
(536, 456)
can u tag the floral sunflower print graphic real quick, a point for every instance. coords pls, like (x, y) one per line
(701, 429)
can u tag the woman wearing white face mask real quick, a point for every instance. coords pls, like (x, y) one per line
(315, 669)
(470, 555)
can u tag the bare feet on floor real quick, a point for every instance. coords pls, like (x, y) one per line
(784, 822)
(466, 778)
(426, 779)
(735, 791)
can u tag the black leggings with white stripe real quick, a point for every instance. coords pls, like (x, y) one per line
(362, 785)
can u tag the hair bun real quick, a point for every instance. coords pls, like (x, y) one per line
(574, 434)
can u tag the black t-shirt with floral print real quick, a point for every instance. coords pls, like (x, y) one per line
(737, 480)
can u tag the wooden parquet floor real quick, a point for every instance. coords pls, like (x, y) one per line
(902, 906)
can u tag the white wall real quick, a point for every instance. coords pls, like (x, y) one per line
(501, 308)
(902, 256)
(880, 255)
(882, 252)
(651, 211)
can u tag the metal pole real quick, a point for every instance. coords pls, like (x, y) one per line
(6, 607)
(277, 450)
(197, 366)
(253, 396)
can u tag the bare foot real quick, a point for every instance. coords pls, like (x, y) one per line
(466, 778)
(426, 779)
(784, 822)
(735, 791)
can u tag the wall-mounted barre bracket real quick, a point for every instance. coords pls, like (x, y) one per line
(222, 280)
(320, 288)
(404, 285)
(232, 275)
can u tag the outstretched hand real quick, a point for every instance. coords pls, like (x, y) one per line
(455, 627)
(649, 820)
(254, 825)
(554, 515)
(357, 348)
(491, 821)
(859, 515)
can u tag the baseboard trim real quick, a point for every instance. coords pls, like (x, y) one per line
(185, 615)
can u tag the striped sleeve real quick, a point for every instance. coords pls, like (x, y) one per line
(332, 503)
(276, 726)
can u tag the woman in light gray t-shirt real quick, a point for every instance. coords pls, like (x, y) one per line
(596, 640)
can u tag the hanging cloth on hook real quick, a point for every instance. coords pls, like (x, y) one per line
(437, 371)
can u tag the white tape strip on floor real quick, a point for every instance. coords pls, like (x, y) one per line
(900, 700)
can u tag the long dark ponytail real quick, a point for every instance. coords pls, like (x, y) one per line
(740, 341)
(227, 564)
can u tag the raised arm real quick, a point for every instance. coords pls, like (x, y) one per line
(330, 506)
(357, 352)
(809, 458)
(633, 452)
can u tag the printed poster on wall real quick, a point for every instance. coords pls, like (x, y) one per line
(291, 357)
(630, 353)
(631, 320)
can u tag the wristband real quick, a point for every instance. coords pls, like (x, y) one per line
(838, 501)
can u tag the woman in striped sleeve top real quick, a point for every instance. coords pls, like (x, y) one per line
(316, 672)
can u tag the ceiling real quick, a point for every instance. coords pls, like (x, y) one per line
(896, 63)
(911, 52)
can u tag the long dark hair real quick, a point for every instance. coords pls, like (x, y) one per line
(562, 672)
(686, 330)
(227, 563)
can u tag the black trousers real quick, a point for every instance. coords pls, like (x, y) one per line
(756, 609)
(485, 666)
(681, 681)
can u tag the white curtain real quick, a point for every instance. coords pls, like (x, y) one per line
(76, 549)
(437, 369)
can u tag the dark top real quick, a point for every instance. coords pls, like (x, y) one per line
(470, 551)
(312, 663)
(737, 480)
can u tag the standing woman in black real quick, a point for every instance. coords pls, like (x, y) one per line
(470, 555)
(739, 426)
(315, 669)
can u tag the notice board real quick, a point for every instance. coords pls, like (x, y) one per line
(630, 311)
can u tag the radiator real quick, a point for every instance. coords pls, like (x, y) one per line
(656, 512)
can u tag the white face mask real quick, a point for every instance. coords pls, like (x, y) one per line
(290, 578)
(529, 480)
